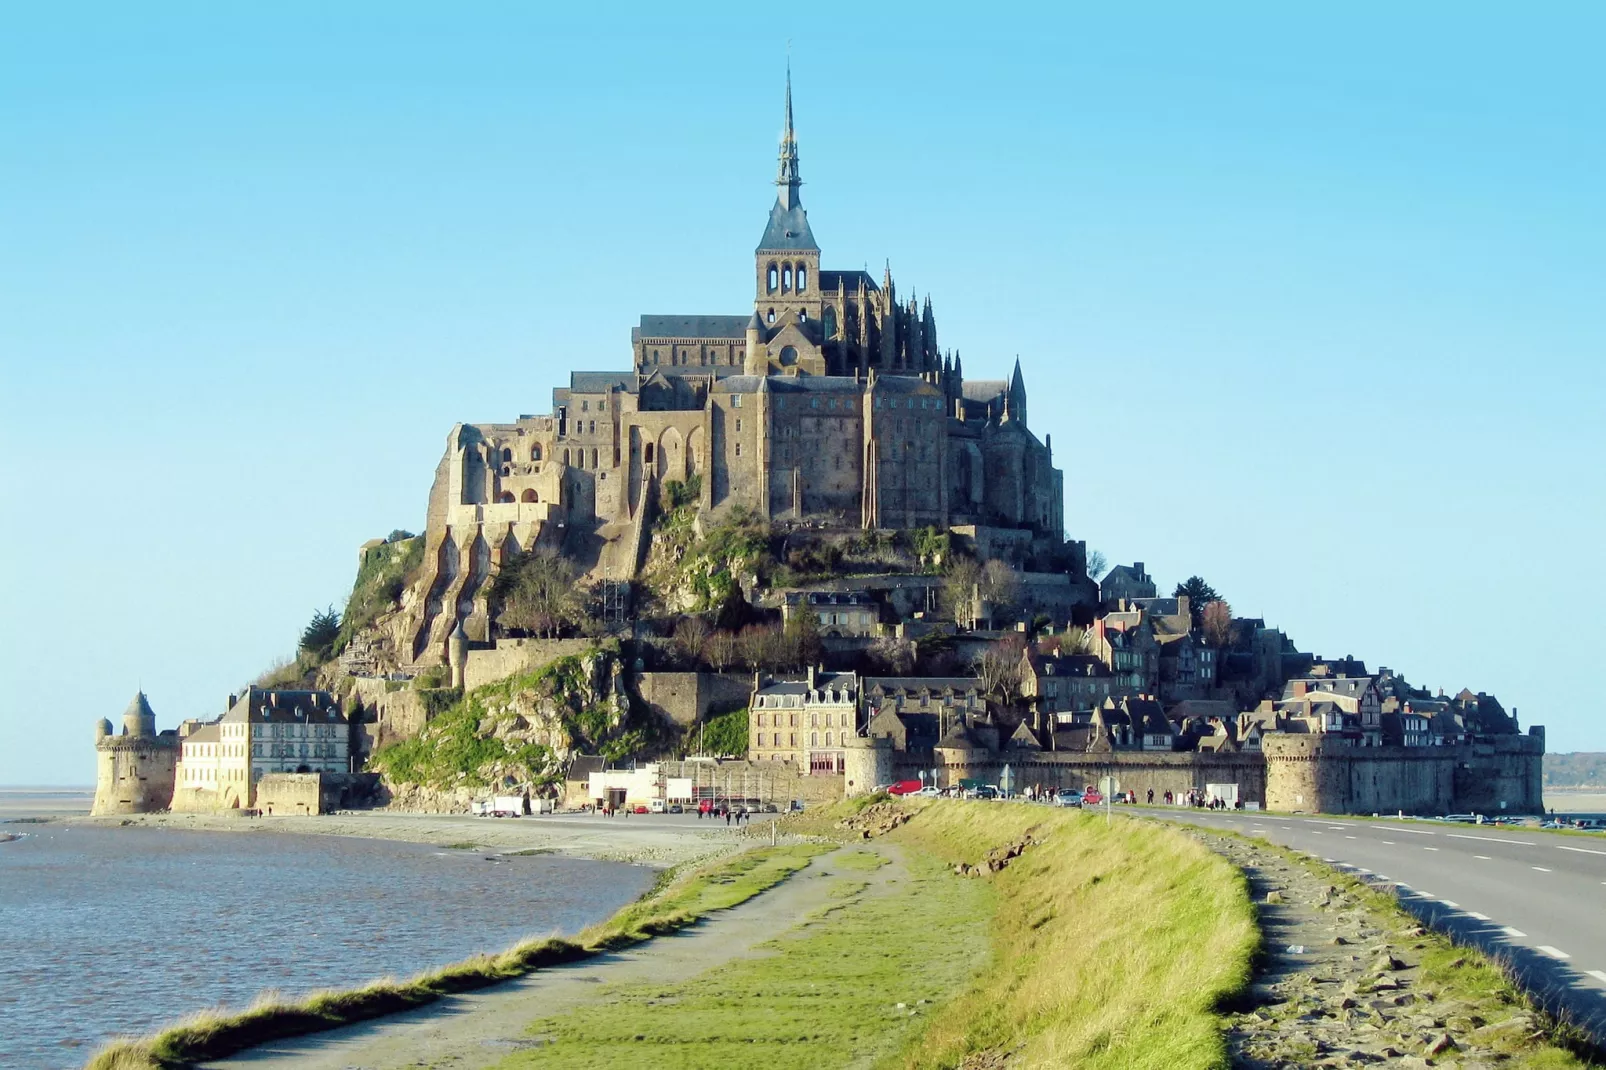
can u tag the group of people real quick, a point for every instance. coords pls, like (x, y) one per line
(713, 811)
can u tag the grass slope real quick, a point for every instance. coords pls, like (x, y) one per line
(1098, 947)
(1113, 945)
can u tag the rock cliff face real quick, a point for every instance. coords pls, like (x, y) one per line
(517, 735)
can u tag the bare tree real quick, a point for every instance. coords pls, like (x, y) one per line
(1097, 564)
(1217, 623)
(1000, 584)
(959, 590)
(538, 595)
(721, 650)
(999, 667)
(893, 656)
(691, 639)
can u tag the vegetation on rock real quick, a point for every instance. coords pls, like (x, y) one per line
(382, 576)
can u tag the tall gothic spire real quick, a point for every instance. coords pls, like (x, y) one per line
(786, 175)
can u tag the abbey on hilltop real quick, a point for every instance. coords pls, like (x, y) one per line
(829, 404)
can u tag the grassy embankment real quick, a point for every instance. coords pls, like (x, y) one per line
(673, 903)
(1100, 946)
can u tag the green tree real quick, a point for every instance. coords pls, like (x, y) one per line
(318, 637)
(1199, 594)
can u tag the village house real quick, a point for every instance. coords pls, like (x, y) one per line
(805, 721)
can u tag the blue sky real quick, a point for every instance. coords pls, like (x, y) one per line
(1309, 301)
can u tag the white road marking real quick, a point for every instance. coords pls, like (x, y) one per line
(1553, 952)
(1598, 975)
(1580, 850)
(1288, 828)
(1479, 917)
(1349, 837)
(1315, 833)
(1541, 869)
(1491, 839)
(1430, 848)
(1395, 828)
(1335, 828)
(1389, 842)
(1483, 858)
(1515, 934)
(1330, 861)
(1452, 904)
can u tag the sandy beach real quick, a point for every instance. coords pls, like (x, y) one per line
(658, 840)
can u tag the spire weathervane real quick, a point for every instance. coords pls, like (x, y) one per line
(786, 172)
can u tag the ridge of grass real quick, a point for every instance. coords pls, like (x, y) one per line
(675, 901)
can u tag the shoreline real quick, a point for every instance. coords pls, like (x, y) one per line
(656, 841)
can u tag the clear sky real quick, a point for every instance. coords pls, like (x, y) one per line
(1311, 302)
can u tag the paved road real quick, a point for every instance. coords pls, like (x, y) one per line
(1533, 898)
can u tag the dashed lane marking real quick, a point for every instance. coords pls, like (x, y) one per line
(1515, 934)
(1491, 839)
(1483, 858)
(1554, 952)
(1330, 861)
(1335, 828)
(1396, 828)
(1389, 842)
(1540, 869)
(1476, 916)
(1580, 850)
(1598, 975)
(1452, 904)
(1430, 848)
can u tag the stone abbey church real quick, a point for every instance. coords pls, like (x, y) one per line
(829, 403)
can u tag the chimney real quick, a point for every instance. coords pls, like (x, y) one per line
(811, 677)
(1137, 566)
(232, 700)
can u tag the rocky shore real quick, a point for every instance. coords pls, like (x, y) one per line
(650, 840)
(1347, 982)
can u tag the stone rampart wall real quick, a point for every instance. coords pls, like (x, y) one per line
(511, 657)
(134, 775)
(1139, 771)
(688, 697)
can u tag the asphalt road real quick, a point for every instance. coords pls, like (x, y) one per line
(1529, 897)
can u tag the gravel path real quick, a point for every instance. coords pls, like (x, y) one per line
(1339, 984)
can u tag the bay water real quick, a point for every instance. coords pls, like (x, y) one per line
(106, 931)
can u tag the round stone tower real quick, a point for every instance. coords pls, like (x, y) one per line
(866, 763)
(134, 772)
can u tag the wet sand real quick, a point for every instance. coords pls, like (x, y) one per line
(644, 839)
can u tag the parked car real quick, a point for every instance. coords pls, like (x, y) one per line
(641, 809)
(931, 791)
(1092, 798)
(905, 787)
(1066, 797)
(1590, 824)
(986, 791)
(676, 808)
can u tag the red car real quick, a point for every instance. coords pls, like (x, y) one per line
(1092, 798)
(905, 787)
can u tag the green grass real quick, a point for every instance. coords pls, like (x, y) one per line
(1113, 945)
(674, 902)
(826, 994)
(1098, 947)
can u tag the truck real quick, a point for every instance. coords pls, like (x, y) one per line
(500, 806)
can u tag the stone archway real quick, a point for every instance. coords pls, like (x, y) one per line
(671, 454)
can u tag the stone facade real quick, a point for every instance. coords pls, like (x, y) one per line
(829, 403)
(134, 771)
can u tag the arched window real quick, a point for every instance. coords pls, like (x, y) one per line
(828, 739)
(535, 452)
(593, 458)
(565, 456)
(771, 277)
(814, 739)
(505, 497)
(830, 322)
(802, 278)
(507, 455)
(786, 277)
(531, 496)
(770, 316)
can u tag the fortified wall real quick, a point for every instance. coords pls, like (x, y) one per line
(135, 771)
(1317, 774)
(1139, 771)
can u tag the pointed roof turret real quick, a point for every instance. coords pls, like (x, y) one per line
(788, 228)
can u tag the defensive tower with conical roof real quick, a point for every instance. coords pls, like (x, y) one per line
(134, 772)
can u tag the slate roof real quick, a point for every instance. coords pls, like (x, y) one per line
(984, 389)
(138, 706)
(728, 327)
(788, 230)
(601, 382)
(838, 681)
(259, 706)
(854, 281)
